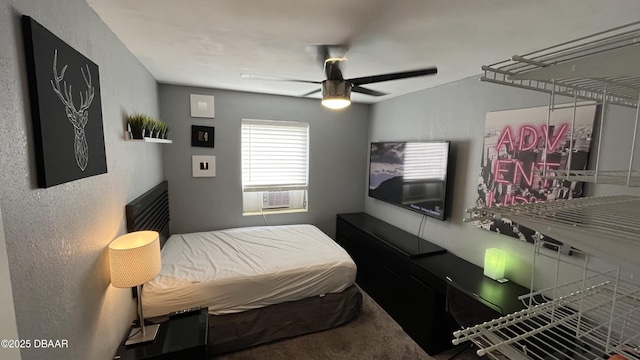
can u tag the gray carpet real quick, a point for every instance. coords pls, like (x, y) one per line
(373, 335)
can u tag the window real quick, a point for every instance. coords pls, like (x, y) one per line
(275, 169)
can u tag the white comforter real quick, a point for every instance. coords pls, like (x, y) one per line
(245, 268)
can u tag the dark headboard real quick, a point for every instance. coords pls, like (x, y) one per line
(150, 211)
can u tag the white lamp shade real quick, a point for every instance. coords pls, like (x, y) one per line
(134, 258)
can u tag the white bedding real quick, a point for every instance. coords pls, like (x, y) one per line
(245, 268)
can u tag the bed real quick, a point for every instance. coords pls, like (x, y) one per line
(260, 283)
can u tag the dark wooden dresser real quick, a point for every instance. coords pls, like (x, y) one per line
(407, 277)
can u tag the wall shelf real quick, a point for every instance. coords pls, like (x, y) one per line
(600, 67)
(600, 318)
(611, 177)
(127, 137)
(607, 225)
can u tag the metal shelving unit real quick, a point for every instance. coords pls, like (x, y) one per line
(598, 314)
(589, 318)
(602, 68)
(590, 323)
(629, 178)
(608, 226)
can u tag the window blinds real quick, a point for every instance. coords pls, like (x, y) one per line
(274, 155)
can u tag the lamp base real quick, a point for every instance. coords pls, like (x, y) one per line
(137, 337)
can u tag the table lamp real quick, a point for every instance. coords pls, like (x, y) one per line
(135, 259)
(494, 264)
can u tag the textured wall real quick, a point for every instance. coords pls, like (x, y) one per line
(457, 112)
(56, 238)
(337, 159)
(8, 330)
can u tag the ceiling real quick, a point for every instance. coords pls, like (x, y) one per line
(211, 43)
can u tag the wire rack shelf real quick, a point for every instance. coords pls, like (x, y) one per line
(596, 315)
(601, 68)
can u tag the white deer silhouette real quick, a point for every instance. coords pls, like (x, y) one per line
(78, 118)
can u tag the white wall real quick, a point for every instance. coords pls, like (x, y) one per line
(56, 237)
(457, 112)
(8, 330)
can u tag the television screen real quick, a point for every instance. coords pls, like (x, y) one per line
(412, 175)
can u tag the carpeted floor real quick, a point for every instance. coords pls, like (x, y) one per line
(373, 335)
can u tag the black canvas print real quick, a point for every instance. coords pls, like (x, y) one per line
(64, 87)
(202, 136)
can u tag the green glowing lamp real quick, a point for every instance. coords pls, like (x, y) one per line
(495, 261)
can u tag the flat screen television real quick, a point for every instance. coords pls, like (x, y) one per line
(411, 174)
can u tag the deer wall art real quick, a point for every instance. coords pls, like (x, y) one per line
(79, 117)
(64, 91)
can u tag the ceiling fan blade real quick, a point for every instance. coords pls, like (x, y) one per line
(311, 93)
(275, 78)
(362, 90)
(393, 76)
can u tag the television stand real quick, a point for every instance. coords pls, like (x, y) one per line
(406, 276)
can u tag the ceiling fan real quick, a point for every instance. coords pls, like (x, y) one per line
(336, 90)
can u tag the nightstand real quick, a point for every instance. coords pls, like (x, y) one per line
(179, 337)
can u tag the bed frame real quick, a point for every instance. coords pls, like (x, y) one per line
(150, 211)
(236, 331)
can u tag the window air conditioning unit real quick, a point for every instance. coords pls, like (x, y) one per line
(276, 199)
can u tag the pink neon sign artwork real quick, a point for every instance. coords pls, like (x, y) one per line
(516, 143)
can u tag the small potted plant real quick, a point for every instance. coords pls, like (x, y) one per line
(164, 128)
(149, 126)
(155, 124)
(136, 125)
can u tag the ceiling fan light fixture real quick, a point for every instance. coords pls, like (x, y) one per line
(335, 103)
(336, 94)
